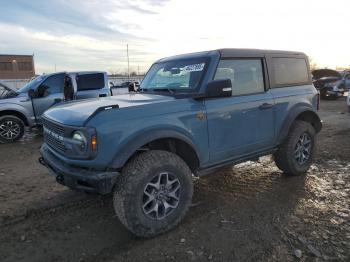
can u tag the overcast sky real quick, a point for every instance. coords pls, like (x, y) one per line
(92, 34)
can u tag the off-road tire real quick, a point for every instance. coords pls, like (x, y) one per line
(129, 192)
(15, 120)
(284, 157)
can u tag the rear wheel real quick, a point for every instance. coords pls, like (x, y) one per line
(295, 155)
(153, 193)
(11, 129)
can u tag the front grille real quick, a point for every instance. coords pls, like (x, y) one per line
(53, 134)
(53, 126)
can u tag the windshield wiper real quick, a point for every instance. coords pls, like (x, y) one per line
(170, 90)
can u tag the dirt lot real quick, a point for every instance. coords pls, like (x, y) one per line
(250, 212)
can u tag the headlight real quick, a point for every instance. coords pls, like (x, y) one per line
(81, 140)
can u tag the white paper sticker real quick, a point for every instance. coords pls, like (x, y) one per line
(193, 68)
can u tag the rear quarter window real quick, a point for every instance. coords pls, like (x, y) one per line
(289, 71)
(90, 81)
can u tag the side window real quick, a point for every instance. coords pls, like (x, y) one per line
(289, 71)
(246, 75)
(90, 81)
(54, 84)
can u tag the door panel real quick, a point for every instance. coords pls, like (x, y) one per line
(243, 123)
(239, 125)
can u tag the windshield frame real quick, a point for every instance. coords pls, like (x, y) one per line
(171, 90)
(32, 84)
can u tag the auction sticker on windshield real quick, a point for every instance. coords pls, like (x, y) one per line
(195, 67)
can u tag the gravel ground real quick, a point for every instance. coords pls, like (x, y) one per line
(249, 212)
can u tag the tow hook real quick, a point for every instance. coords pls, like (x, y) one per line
(60, 179)
(42, 161)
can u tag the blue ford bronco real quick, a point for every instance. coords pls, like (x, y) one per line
(192, 114)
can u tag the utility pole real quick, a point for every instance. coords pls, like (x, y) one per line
(127, 53)
(55, 68)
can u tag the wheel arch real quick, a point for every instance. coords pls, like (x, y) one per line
(303, 113)
(168, 140)
(14, 113)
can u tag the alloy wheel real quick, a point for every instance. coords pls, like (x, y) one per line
(302, 150)
(9, 130)
(161, 196)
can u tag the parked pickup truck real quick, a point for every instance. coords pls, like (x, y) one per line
(192, 114)
(24, 107)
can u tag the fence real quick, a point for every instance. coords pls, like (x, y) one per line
(116, 80)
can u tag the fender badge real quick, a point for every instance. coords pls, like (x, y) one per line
(200, 115)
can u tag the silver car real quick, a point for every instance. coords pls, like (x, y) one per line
(24, 107)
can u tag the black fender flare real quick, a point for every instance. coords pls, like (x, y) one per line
(137, 141)
(294, 113)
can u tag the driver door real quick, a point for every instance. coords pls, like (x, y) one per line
(243, 123)
(51, 94)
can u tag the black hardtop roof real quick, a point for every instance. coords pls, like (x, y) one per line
(234, 52)
(237, 52)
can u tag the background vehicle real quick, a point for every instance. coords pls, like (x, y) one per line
(124, 87)
(331, 84)
(25, 106)
(192, 114)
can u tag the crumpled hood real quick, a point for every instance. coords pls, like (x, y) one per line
(7, 92)
(75, 113)
(326, 75)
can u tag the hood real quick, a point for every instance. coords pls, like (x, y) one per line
(326, 75)
(75, 113)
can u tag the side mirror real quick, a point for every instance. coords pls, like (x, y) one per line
(31, 94)
(41, 91)
(219, 88)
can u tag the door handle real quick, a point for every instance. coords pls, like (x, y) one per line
(265, 106)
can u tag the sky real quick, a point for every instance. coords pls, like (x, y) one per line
(93, 34)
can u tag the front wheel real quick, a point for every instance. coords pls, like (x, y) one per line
(295, 155)
(153, 193)
(11, 129)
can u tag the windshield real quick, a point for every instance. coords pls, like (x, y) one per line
(184, 75)
(31, 85)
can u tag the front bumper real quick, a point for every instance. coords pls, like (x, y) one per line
(77, 178)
